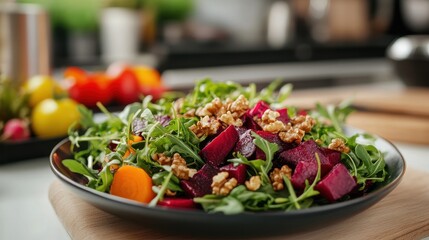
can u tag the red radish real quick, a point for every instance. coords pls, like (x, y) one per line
(16, 129)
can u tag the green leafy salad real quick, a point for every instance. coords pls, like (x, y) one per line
(225, 148)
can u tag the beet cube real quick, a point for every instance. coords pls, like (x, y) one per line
(303, 152)
(331, 158)
(305, 170)
(216, 151)
(337, 183)
(245, 143)
(306, 152)
(200, 184)
(178, 203)
(283, 115)
(238, 172)
(259, 109)
(249, 123)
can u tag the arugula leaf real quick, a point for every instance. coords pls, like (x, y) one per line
(86, 117)
(161, 192)
(105, 180)
(78, 167)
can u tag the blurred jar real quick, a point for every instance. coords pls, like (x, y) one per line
(25, 41)
(339, 20)
(120, 34)
(244, 20)
(416, 14)
(121, 23)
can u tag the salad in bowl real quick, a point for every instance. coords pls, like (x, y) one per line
(226, 148)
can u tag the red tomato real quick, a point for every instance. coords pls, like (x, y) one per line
(150, 81)
(126, 87)
(95, 88)
(76, 74)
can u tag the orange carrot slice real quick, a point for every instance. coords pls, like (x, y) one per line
(132, 183)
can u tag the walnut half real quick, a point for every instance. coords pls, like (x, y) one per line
(221, 185)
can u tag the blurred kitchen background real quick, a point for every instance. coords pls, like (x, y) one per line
(337, 41)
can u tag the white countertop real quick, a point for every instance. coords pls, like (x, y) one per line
(25, 211)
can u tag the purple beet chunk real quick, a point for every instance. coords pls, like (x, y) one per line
(259, 109)
(200, 184)
(273, 138)
(178, 203)
(216, 151)
(336, 184)
(238, 172)
(304, 170)
(249, 123)
(306, 152)
(331, 158)
(245, 143)
(283, 115)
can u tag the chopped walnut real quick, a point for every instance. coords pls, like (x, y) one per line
(254, 183)
(229, 119)
(190, 113)
(180, 169)
(221, 185)
(276, 177)
(292, 135)
(213, 108)
(239, 106)
(206, 126)
(304, 123)
(274, 127)
(338, 144)
(269, 122)
(270, 116)
(162, 159)
(178, 104)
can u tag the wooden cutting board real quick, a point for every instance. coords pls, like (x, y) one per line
(403, 214)
(400, 114)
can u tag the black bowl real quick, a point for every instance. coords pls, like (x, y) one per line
(244, 224)
(409, 57)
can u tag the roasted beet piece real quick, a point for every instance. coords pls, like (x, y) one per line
(259, 109)
(245, 143)
(306, 152)
(283, 115)
(305, 170)
(200, 184)
(238, 172)
(273, 138)
(336, 184)
(249, 123)
(216, 151)
(178, 203)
